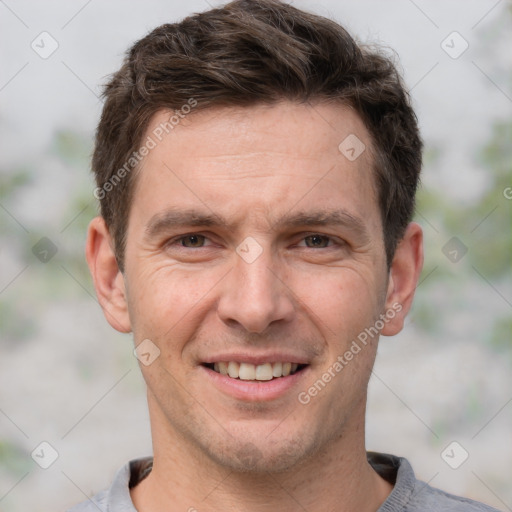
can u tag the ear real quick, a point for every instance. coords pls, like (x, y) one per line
(108, 279)
(403, 278)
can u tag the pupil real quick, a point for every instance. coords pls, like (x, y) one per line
(192, 239)
(316, 239)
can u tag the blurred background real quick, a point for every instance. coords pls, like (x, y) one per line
(441, 393)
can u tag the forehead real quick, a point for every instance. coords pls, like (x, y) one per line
(331, 128)
(260, 158)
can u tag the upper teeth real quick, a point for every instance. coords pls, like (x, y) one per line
(247, 371)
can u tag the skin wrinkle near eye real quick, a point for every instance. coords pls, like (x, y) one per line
(337, 251)
(328, 238)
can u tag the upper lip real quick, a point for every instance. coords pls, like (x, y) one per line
(256, 359)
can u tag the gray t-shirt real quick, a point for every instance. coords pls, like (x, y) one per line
(408, 495)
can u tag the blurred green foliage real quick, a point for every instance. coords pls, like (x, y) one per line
(20, 307)
(492, 251)
(484, 226)
(14, 459)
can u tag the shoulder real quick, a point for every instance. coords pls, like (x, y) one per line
(430, 498)
(95, 504)
(117, 497)
(412, 495)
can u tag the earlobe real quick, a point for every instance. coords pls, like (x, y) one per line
(403, 278)
(108, 279)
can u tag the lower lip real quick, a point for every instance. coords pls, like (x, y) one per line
(254, 391)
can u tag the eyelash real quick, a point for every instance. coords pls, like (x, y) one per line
(176, 240)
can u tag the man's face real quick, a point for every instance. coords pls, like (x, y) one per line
(257, 281)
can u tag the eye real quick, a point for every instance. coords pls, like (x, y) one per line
(191, 247)
(317, 241)
(192, 241)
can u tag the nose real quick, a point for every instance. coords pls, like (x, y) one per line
(254, 295)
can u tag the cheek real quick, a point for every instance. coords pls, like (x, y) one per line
(344, 308)
(164, 301)
(342, 302)
(172, 303)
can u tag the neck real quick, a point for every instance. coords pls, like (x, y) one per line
(338, 477)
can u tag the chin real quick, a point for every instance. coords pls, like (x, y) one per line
(262, 456)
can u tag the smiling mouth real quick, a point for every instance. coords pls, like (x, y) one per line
(260, 372)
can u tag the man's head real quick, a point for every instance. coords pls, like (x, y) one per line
(245, 54)
(264, 233)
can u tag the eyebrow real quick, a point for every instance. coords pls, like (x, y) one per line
(172, 219)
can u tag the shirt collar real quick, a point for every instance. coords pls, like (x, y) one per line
(395, 470)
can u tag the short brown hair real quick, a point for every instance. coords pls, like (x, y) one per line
(247, 53)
